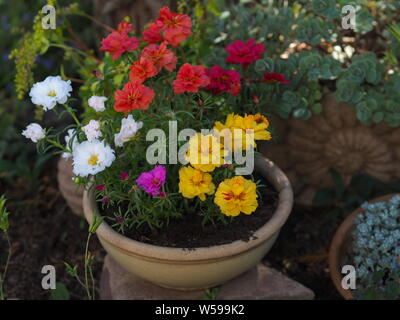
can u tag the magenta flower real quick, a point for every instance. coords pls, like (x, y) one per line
(100, 187)
(153, 180)
(124, 176)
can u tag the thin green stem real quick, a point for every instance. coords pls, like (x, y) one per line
(72, 114)
(56, 144)
(86, 268)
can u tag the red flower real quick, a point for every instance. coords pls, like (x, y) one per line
(134, 96)
(142, 69)
(273, 77)
(117, 42)
(190, 78)
(153, 33)
(175, 27)
(124, 27)
(160, 56)
(124, 176)
(244, 53)
(223, 80)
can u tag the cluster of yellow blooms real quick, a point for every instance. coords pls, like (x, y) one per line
(205, 153)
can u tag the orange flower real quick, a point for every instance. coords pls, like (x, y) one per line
(142, 69)
(175, 27)
(190, 78)
(134, 96)
(160, 56)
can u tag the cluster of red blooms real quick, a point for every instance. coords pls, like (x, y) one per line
(172, 28)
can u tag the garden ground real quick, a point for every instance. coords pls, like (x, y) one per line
(45, 232)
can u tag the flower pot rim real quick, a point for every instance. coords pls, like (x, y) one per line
(338, 242)
(218, 252)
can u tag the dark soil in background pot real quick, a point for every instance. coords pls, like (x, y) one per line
(188, 232)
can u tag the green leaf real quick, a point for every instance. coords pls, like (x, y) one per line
(378, 117)
(4, 224)
(97, 221)
(317, 108)
(60, 292)
(302, 113)
(323, 197)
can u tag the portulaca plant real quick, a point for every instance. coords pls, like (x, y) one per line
(156, 142)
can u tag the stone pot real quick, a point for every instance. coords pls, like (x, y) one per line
(72, 193)
(341, 244)
(307, 150)
(205, 267)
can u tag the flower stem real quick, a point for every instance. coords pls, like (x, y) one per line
(72, 114)
(87, 267)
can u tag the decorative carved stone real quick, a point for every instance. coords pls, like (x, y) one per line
(306, 150)
(71, 192)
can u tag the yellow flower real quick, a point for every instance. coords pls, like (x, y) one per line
(205, 152)
(236, 195)
(193, 182)
(244, 131)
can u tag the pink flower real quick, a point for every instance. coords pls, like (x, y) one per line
(153, 180)
(105, 200)
(244, 53)
(124, 176)
(100, 187)
(223, 80)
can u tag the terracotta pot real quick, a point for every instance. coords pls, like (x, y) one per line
(183, 269)
(341, 243)
(307, 150)
(72, 193)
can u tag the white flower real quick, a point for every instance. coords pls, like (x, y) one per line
(129, 127)
(91, 157)
(92, 130)
(71, 133)
(51, 91)
(34, 132)
(97, 103)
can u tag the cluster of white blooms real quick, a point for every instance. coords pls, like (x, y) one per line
(34, 132)
(97, 103)
(91, 157)
(129, 127)
(51, 91)
(92, 130)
